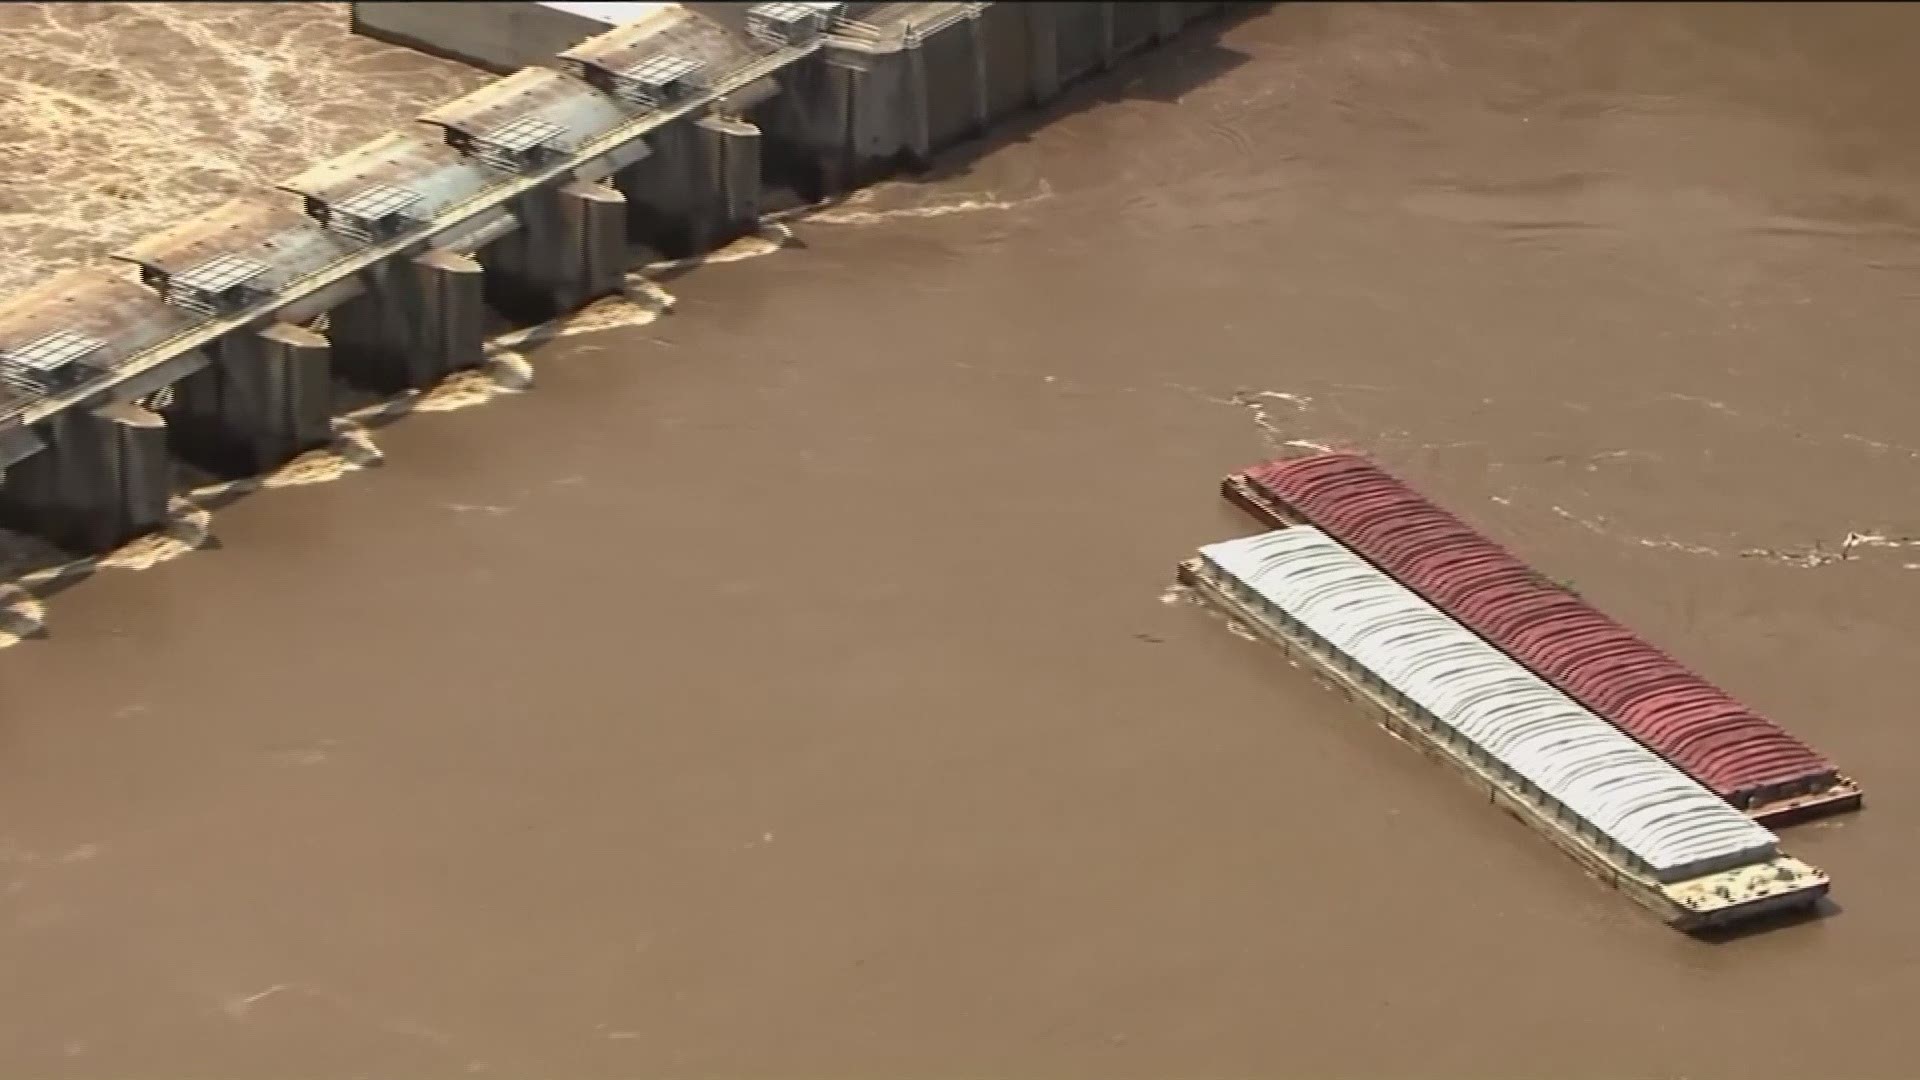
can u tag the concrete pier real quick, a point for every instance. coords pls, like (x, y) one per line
(733, 146)
(570, 248)
(804, 113)
(1009, 51)
(404, 323)
(596, 223)
(1083, 39)
(452, 316)
(699, 189)
(1043, 50)
(103, 478)
(263, 399)
(948, 71)
(412, 322)
(570, 245)
(698, 185)
(93, 474)
(673, 130)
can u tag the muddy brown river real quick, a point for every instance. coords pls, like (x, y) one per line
(786, 685)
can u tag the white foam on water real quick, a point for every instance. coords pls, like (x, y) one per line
(642, 302)
(770, 237)
(187, 529)
(505, 372)
(22, 614)
(848, 213)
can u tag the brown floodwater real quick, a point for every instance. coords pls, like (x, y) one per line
(786, 685)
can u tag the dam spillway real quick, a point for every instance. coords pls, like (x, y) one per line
(223, 341)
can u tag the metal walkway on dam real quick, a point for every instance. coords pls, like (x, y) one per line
(523, 197)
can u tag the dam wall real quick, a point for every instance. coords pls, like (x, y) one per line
(501, 36)
(228, 340)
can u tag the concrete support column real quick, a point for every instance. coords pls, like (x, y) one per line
(596, 220)
(265, 398)
(416, 320)
(1109, 45)
(740, 179)
(730, 152)
(842, 159)
(451, 333)
(1043, 28)
(977, 53)
(666, 192)
(918, 104)
(570, 248)
(103, 479)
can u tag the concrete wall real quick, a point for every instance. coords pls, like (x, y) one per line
(1081, 38)
(264, 398)
(1007, 32)
(951, 75)
(104, 477)
(699, 189)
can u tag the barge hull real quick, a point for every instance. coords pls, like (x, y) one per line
(1713, 902)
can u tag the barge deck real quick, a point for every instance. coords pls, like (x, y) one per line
(1709, 902)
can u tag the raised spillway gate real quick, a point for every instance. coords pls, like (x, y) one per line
(219, 341)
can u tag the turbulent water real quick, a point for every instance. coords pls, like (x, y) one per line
(119, 119)
(782, 685)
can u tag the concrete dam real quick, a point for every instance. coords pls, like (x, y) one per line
(228, 341)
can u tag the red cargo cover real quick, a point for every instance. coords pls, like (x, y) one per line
(1742, 757)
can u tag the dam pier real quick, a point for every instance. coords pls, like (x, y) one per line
(227, 340)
